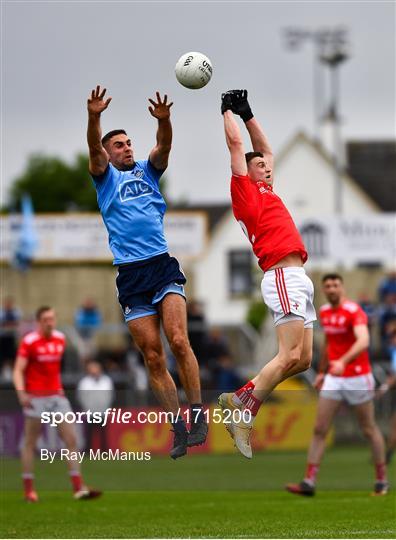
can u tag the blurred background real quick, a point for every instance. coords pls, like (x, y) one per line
(321, 79)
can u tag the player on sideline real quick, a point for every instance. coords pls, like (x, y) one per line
(348, 378)
(276, 242)
(150, 283)
(37, 381)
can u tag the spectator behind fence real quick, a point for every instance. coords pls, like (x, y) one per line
(196, 326)
(87, 320)
(226, 376)
(369, 307)
(387, 321)
(95, 392)
(10, 317)
(216, 345)
(215, 349)
(387, 286)
(371, 310)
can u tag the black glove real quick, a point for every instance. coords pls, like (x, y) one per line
(240, 104)
(226, 101)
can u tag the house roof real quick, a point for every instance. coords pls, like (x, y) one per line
(365, 160)
(372, 164)
(301, 137)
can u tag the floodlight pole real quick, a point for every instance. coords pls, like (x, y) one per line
(330, 48)
(333, 60)
(294, 38)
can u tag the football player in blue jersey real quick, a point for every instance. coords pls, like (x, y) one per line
(150, 282)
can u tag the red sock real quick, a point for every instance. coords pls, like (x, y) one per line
(244, 393)
(380, 472)
(28, 482)
(253, 404)
(311, 472)
(76, 480)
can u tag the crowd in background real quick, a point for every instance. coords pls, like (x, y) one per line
(214, 354)
(382, 318)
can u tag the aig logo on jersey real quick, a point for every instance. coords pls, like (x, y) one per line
(133, 189)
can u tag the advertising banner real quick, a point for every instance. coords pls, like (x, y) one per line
(83, 237)
(350, 240)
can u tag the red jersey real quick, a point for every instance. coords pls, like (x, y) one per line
(44, 355)
(338, 326)
(266, 221)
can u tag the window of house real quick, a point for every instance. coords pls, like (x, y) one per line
(240, 275)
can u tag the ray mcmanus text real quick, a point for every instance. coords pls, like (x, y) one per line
(95, 455)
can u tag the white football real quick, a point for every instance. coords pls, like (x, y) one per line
(193, 70)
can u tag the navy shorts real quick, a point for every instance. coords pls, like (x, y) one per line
(143, 284)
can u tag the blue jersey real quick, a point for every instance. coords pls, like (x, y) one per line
(132, 209)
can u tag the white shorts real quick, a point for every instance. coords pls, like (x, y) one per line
(54, 403)
(289, 293)
(353, 390)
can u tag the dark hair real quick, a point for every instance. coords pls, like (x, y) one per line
(334, 275)
(111, 134)
(250, 155)
(41, 310)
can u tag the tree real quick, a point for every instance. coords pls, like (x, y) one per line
(57, 186)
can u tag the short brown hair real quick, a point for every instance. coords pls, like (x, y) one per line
(111, 134)
(41, 310)
(251, 155)
(333, 275)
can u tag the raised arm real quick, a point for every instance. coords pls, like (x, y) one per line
(260, 143)
(159, 155)
(233, 138)
(259, 140)
(98, 157)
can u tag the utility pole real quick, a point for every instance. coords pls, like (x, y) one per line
(333, 56)
(330, 50)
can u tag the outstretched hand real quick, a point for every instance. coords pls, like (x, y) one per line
(226, 101)
(160, 108)
(96, 104)
(240, 104)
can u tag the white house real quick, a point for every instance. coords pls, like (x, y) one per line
(305, 179)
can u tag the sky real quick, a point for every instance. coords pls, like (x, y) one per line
(54, 53)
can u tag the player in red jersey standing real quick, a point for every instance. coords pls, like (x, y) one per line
(276, 242)
(344, 375)
(37, 381)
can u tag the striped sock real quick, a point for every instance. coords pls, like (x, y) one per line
(253, 404)
(76, 480)
(311, 473)
(28, 482)
(242, 395)
(380, 472)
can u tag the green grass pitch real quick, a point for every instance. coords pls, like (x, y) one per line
(202, 496)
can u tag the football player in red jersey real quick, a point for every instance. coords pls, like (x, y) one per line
(344, 375)
(37, 381)
(276, 242)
